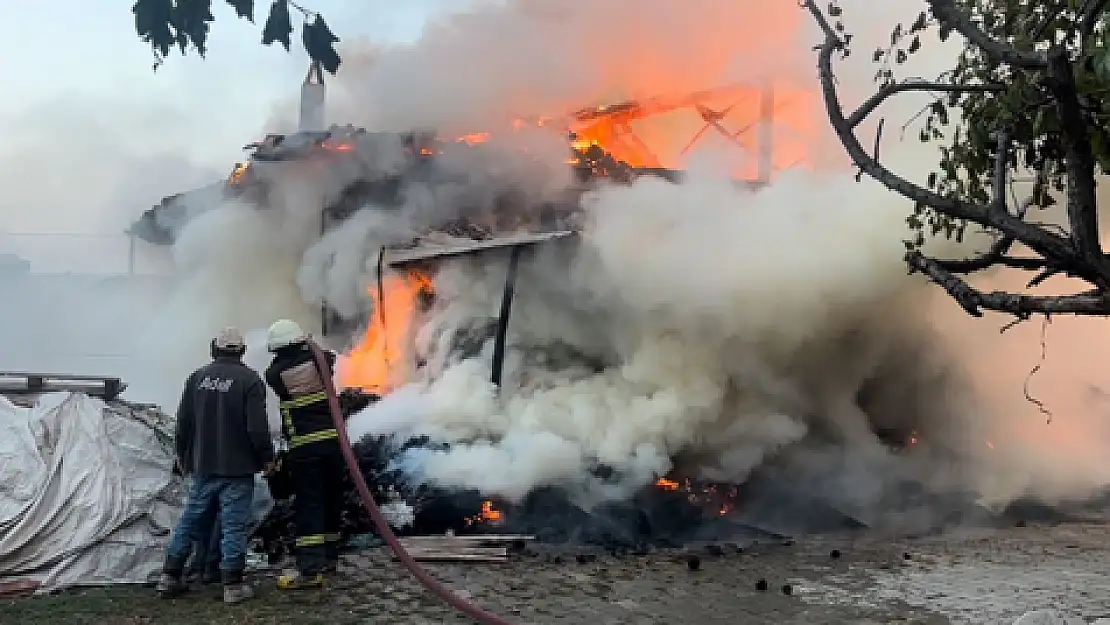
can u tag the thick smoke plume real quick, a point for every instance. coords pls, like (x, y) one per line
(716, 341)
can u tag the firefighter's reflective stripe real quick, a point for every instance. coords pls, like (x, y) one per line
(333, 537)
(287, 415)
(304, 400)
(315, 437)
(312, 540)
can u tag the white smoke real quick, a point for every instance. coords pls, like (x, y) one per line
(723, 340)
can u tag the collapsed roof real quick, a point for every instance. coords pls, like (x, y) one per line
(375, 184)
(602, 145)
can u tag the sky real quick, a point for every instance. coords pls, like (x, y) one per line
(92, 136)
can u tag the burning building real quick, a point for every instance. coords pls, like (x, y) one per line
(555, 323)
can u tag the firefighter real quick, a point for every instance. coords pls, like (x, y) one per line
(314, 461)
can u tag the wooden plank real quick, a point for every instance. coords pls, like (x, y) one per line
(459, 247)
(18, 588)
(493, 551)
(444, 544)
(473, 537)
(450, 557)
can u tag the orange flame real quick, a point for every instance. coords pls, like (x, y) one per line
(488, 514)
(474, 138)
(666, 484)
(383, 358)
(238, 173)
(711, 497)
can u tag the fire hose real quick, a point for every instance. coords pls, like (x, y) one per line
(432, 584)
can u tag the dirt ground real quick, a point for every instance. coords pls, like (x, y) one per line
(976, 577)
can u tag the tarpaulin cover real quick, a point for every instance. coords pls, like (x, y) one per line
(87, 494)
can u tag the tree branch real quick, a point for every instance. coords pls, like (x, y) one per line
(1038, 239)
(950, 16)
(1079, 159)
(1001, 170)
(1022, 306)
(872, 103)
(996, 254)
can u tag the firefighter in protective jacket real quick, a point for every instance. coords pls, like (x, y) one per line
(314, 461)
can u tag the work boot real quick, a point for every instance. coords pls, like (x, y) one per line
(205, 577)
(298, 581)
(170, 586)
(236, 589)
(236, 593)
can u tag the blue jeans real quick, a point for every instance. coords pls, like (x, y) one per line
(206, 552)
(226, 498)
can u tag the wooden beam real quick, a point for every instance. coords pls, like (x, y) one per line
(430, 250)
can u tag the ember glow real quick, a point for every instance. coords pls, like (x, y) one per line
(666, 484)
(717, 498)
(382, 358)
(488, 515)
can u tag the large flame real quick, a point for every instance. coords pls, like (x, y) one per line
(383, 358)
(768, 128)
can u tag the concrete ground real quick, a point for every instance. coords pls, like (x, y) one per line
(976, 577)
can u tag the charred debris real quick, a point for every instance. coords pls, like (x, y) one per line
(384, 187)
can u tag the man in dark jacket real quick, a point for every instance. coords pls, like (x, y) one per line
(314, 460)
(223, 440)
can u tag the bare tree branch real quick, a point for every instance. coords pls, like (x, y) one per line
(950, 16)
(1038, 239)
(1077, 253)
(996, 254)
(872, 103)
(1001, 170)
(974, 302)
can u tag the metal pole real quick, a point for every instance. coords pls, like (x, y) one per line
(503, 318)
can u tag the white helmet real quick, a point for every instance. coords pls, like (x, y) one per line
(283, 333)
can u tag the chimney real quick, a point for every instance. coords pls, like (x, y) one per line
(313, 95)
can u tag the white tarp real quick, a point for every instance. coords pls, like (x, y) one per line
(87, 494)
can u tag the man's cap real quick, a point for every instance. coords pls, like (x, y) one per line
(230, 339)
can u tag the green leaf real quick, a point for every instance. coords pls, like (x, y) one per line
(319, 42)
(278, 27)
(243, 8)
(191, 18)
(152, 24)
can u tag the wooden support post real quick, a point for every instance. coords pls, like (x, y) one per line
(503, 319)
